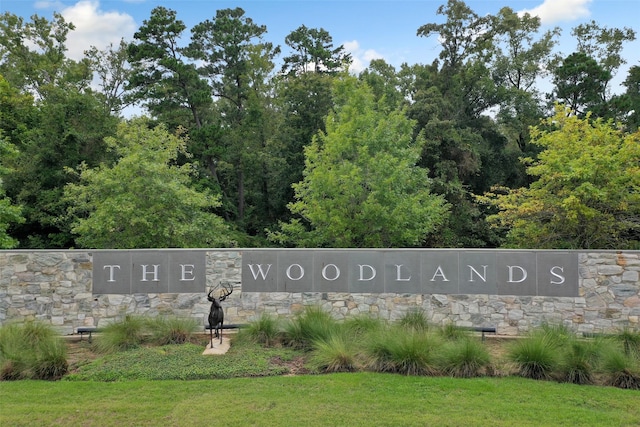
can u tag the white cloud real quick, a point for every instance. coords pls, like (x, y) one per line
(361, 58)
(552, 11)
(95, 27)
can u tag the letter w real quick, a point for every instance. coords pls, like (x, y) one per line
(260, 271)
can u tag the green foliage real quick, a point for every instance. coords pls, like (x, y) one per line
(336, 353)
(311, 325)
(578, 361)
(415, 319)
(587, 192)
(535, 356)
(31, 351)
(452, 332)
(408, 352)
(121, 335)
(622, 370)
(630, 341)
(144, 200)
(183, 362)
(464, 358)
(171, 330)
(266, 330)
(362, 325)
(361, 185)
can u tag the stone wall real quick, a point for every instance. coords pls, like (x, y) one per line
(56, 287)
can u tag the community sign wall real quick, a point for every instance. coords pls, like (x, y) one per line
(511, 290)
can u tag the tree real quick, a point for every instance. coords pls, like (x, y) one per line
(144, 200)
(587, 193)
(236, 62)
(13, 109)
(162, 78)
(67, 128)
(32, 55)
(112, 70)
(603, 44)
(580, 83)
(361, 185)
(313, 51)
(520, 60)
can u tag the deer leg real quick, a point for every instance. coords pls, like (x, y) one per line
(210, 335)
(221, 322)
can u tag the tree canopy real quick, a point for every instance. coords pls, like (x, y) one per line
(143, 200)
(244, 141)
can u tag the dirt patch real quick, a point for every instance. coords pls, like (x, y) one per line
(294, 366)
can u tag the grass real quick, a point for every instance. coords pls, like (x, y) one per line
(252, 385)
(354, 399)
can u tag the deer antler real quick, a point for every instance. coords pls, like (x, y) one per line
(228, 290)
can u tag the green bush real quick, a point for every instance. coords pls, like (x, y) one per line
(414, 319)
(266, 330)
(464, 358)
(311, 325)
(31, 351)
(578, 360)
(171, 330)
(336, 353)
(630, 341)
(362, 324)
(535, 356)
(123, 335)
(453, 332)
(403, 351)
(621, 369)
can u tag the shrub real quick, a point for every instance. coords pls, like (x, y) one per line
(51, 360)
(578, 359)
(266, 330)
(464, 358)
(311, 325)
(558, 335)
(171, 330)
(452, 332)
(337, 353)
(31, 351)
(415, 319)
(535, 356)
(630, 341)
(122, 335)
(362, 324)
(404, 351)
(622, 370)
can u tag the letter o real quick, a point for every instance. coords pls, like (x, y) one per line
(324, 272)
(289, 272)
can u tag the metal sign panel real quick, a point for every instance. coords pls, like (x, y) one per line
(149, 271)
(493, 272)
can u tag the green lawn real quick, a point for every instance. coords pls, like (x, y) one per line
(355, 399)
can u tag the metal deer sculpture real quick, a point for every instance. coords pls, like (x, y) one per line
(216, 314)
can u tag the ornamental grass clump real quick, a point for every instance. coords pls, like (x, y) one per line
(31, 351)
(122, 335)
(630, 341)
(415, 319)
(622, 370)
(310, 325)
(536, 356)
(578, 360)
(336, 353)
(362, 324)
(265, 330)
(403, 351)
(464, 358)
(171, 330)
(451, 332)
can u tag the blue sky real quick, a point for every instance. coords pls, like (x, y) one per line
(367, 28)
